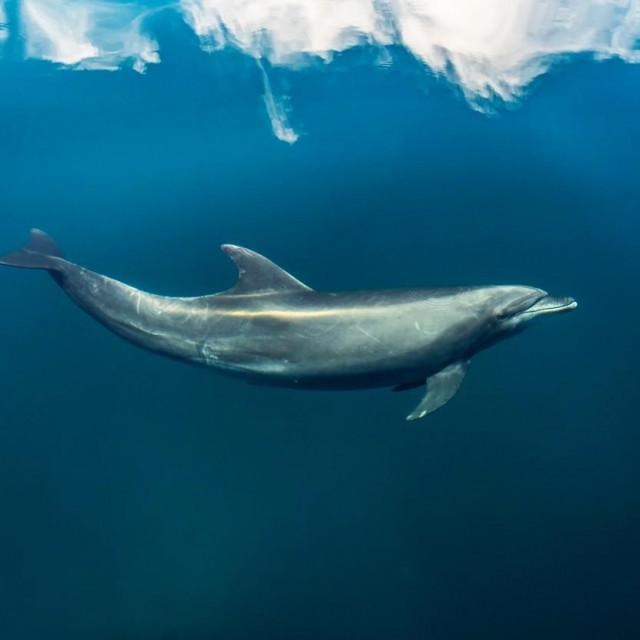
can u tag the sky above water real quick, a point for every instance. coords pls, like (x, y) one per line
(490, 49)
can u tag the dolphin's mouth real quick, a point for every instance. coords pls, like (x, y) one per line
(549, 304)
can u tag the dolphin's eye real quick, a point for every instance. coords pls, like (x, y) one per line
(502, 315)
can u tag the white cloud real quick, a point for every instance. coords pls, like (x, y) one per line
(490, 48)
(497, 47)
(285, 31)
(89, 34)
(3, 23)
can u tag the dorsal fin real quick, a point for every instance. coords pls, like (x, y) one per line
(257, 274)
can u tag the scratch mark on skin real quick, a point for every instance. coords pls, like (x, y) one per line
(327, 329)
(209, 356)
(369, 335)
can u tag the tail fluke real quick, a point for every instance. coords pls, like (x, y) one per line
(41, 252)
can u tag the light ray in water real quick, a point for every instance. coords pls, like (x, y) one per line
(492, 49)
(277, 110)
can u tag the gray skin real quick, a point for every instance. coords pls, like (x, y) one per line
(271, 329)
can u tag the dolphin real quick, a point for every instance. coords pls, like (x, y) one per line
(272, 329)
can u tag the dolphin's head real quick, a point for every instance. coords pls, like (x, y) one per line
(508, 310)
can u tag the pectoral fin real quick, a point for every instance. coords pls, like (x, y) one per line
(441, 387)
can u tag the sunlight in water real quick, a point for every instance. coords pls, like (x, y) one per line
(491, 49)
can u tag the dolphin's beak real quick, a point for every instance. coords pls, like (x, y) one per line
(549, 304)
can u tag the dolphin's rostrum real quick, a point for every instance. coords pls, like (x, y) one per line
(271, 329)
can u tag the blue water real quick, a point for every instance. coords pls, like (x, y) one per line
(144, 499)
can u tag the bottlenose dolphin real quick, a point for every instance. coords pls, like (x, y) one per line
(272, 329)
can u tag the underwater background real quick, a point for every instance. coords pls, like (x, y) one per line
(141, 498)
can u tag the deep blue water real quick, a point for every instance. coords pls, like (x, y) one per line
(141, 498)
